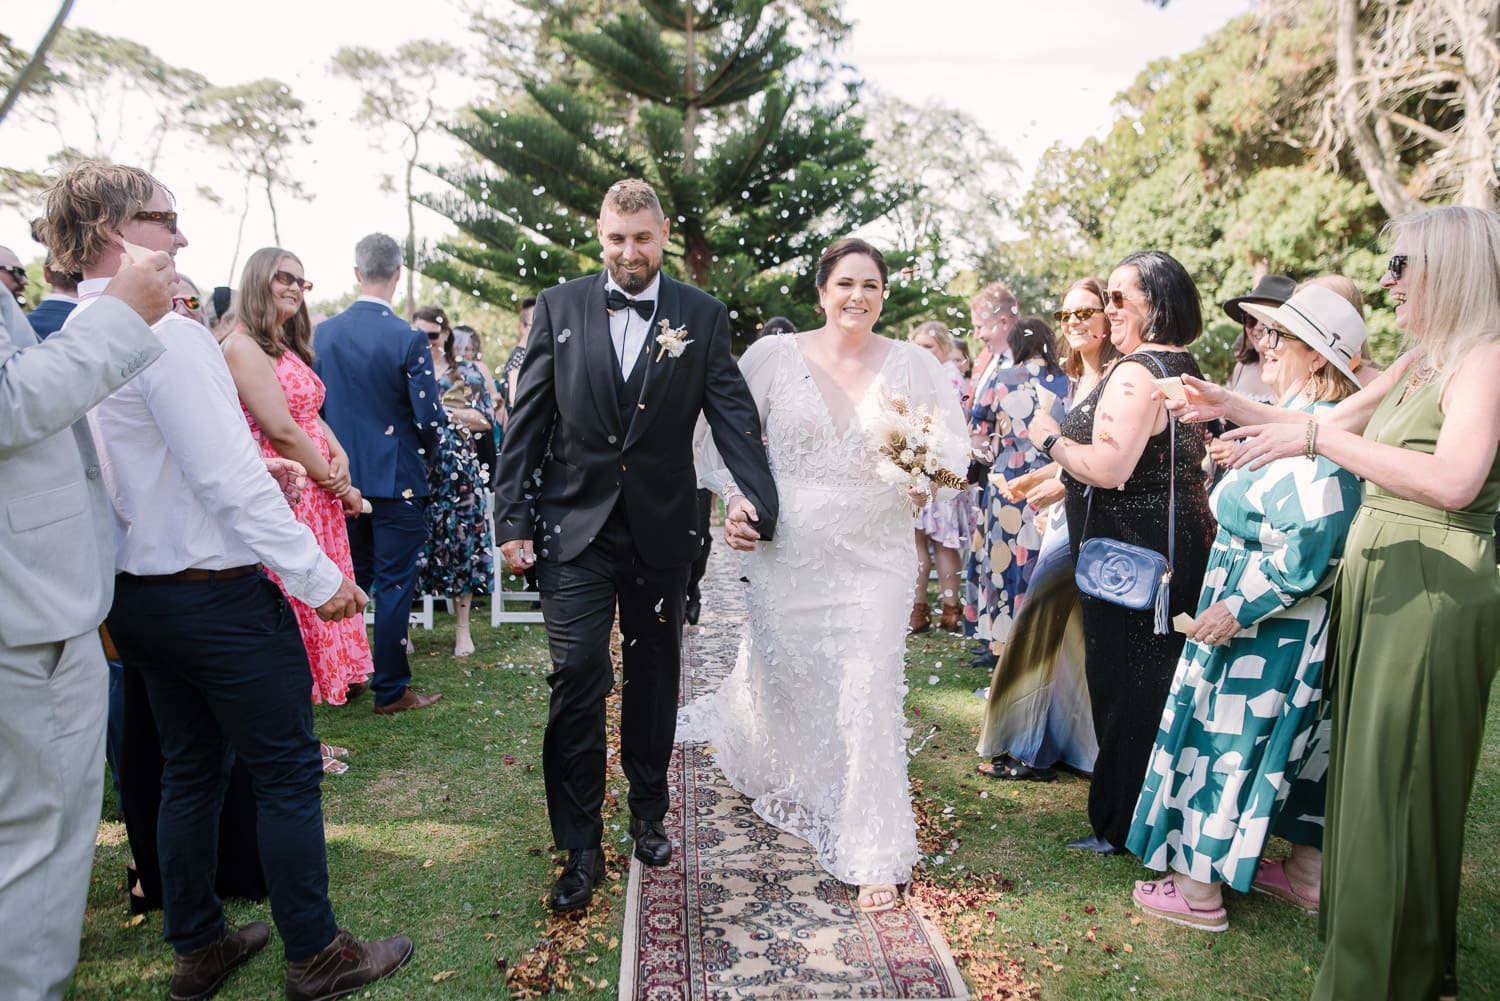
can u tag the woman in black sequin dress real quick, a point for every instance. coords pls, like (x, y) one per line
(1116, 441)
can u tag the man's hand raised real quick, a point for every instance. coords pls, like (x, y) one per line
(145, 285)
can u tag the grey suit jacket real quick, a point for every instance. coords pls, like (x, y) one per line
(57, 549)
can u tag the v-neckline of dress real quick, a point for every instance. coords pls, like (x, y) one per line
(823, 399)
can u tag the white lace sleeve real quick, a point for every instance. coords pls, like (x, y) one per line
(932, 390)
(758, 365)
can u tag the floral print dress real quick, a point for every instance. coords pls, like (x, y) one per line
(459, 556)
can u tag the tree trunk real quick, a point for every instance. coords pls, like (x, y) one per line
(690, 115)
(37, 61)
(411, 235)
(271, 201)
(239, 232)
(697, 254)
(1379, 171)
(1475, 24)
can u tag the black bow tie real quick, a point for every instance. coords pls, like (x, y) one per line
(616, 299)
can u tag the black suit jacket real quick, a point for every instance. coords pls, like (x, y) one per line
(567, 459)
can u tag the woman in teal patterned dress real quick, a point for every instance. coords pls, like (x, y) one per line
(1242, 748)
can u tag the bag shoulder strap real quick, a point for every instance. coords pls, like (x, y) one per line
(1143, 357)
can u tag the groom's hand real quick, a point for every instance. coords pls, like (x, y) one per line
(739, 523)
(519, 554)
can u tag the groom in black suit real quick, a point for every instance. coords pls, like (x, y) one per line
(597, 487)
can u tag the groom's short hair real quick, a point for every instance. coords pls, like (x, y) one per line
(631, 195)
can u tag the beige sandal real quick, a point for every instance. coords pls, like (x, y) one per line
(867, 894)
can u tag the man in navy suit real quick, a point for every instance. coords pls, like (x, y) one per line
(383, 403)
(55, 306)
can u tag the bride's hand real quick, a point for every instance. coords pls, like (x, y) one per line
(739, 528)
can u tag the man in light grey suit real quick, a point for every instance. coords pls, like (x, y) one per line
(56, 581)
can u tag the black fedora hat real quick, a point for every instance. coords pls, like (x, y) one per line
(1273, 289)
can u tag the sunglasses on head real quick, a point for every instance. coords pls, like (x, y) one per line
(15, 271)
(166, 220)
(1083, 315)
(287, 278)
(188, 301)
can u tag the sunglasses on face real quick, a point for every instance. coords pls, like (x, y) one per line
(1083, 315)
(1275, 336)
(1397, 265)
(287, 278)
(166, 220)
(188, 301)
(433, 335)
(16, 272)
(1116, 298)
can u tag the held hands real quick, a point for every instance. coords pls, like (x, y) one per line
(353, 501)
(337, 480)
(519, 553)
(347, 601)
(289, 476)
(1215, 627)
(145, 286)
(739, 528)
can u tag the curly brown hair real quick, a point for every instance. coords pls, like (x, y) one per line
(86, 208)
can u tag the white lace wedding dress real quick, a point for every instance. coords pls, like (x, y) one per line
(810, 725)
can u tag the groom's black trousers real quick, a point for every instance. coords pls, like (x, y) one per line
(578, 603)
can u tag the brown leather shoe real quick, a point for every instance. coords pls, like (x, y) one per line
(200, 973)
(412, 698)
(952, 619)
(921, 617)
(344, 966)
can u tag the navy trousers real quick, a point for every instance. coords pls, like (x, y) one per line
(385, 545)
(226, 671)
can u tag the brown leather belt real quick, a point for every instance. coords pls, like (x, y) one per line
(197, 576)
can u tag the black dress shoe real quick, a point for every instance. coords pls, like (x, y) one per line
(692, 610)
(1094, 843)
(651, 844)
(575, 887)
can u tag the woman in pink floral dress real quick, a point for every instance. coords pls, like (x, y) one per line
(269, 354)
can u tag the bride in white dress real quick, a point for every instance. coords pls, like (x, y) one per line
(810, 725)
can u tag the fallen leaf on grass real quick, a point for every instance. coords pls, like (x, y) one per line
(428, 864)
(133, 921)
(442, 975)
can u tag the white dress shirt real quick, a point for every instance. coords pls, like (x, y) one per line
(187, 482)
(626, 328)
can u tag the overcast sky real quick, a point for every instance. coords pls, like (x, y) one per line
(1032, 73)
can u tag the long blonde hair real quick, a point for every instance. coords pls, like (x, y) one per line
(1452, 282)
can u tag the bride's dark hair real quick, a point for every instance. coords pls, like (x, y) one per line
(849, 246)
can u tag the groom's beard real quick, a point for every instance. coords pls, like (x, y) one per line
(632, 283)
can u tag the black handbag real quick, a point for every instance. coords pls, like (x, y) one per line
(1125, 574)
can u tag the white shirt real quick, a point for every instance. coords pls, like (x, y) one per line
(626, 328)
(185, 478)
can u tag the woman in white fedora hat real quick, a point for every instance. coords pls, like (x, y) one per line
(1242, 748)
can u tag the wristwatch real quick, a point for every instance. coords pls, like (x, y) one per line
(1048, 442)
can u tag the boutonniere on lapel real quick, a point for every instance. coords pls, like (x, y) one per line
(673, 340)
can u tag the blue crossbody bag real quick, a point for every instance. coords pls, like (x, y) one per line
(1125, 574)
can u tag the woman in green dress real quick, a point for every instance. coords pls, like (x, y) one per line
(1418, 608)
(1243, 746)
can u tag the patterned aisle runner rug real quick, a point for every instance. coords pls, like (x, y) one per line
(743, 911)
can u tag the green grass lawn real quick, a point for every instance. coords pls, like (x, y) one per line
(439, 831)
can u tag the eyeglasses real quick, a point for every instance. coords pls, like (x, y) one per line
(1275, 335)
(166, 220)
(16, 272)
(188, 301)
(1083, 315)
(1397, 265)
(1116, 298)
(287, 278)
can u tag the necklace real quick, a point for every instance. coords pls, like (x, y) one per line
(1417, 375)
